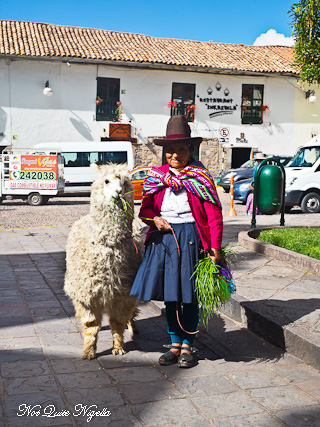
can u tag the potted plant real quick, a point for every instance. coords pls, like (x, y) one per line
(190, 111)
(118, 130)
(264, 108)
(119, 112)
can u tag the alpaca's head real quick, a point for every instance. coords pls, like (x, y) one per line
(112, 183)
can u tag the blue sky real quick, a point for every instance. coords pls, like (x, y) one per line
(229, 21)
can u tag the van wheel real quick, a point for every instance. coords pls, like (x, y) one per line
(311, 203)
(35, 199)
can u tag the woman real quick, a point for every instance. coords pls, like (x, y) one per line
(183, 210)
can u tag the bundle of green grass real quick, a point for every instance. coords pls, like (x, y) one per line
(214, 284)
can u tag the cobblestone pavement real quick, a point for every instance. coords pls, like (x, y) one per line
(59, 211)
(65, 210)
(239, 379)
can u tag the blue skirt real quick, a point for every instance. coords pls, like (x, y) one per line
(163, 274)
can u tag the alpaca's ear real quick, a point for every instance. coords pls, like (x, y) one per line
(95, 167)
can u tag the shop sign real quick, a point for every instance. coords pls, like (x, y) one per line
(31, 171)
(241, 140)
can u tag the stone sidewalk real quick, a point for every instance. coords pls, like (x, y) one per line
(275, 300)
(239, 379)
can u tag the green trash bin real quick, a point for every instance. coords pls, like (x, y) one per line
(269, 189)
(270, 195)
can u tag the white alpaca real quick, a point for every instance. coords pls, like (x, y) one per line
(102, 259)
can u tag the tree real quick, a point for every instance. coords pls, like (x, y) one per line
(306, 30)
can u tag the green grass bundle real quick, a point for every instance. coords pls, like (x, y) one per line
(213, 284)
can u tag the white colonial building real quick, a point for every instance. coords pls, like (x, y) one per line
(241, 99)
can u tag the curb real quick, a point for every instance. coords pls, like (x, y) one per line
(260, 321)
(264, 322)
(269, 326)
(248, 239)
(272, 326)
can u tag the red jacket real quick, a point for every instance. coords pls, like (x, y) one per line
(207, 216)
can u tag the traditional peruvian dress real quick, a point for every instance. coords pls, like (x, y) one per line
(189, 202)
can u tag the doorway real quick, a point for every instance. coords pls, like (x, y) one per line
(239, 156)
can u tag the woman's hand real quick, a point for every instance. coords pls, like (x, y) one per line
(162, 224)
(217, 257)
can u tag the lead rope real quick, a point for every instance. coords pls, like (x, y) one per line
(135, 245)
(179, 253)
(177, 307)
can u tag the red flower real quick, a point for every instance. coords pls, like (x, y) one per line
(190, 110)
(172, 104)
(265, 108)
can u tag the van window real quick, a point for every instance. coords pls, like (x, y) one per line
(76, 160)
(305, 158)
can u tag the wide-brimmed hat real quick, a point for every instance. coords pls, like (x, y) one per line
(259, 156)
(178, 130)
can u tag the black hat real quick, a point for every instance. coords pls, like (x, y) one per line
(178, 130)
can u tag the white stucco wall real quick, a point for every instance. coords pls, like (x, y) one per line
(69, 114)
(306, 115)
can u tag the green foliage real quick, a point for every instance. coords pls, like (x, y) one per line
(305, 241)
(306, 30)
(211, 287)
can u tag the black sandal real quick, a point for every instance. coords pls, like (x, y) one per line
(185, 360)
(169, 358)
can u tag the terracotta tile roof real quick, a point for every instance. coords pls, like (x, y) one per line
(34, 39)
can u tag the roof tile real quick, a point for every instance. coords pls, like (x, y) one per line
(39, 39)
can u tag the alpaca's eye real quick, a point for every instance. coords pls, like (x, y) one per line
(106, 181)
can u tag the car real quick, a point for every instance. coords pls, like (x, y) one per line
(137, 177)
(241, 190)
(243, 173)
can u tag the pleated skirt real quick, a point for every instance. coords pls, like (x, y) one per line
(164, 275)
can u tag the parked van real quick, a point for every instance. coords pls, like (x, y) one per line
(35, 177)
(79, 155)
(303, 178)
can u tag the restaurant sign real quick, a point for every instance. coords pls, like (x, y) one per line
(220, 105)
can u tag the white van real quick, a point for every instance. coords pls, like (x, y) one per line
(79, 155)
(303, 178)
(35, 178)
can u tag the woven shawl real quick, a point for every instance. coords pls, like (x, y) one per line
(195, 178)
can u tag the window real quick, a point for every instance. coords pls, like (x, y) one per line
(80, 160)
(182, 101)
(108, 94)
(251, 105)
(305, 158)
